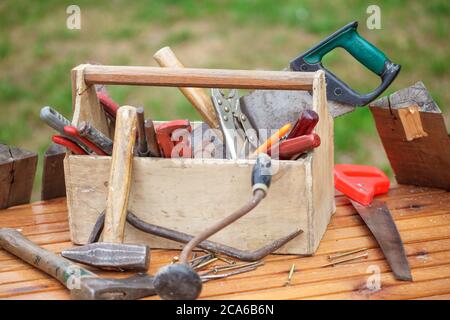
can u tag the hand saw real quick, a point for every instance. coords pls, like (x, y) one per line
(360, 184)
(271, 109)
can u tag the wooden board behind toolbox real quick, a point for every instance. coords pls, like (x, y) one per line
(421, 215)
(17, 171)
(189, 194)
(415, 138)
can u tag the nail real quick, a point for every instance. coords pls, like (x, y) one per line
(364, 255)
(291, 273)
(343, 254)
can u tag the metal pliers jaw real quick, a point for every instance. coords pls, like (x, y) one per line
(239, 135)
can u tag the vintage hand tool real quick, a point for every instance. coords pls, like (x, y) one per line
(69, 144)
(112, 253)
(178, 236)
(150, 136)
(305, 124)
(108, 104)
(270, 109)
(85, 129)
(274, 139)
(175, 133)
(360, 184)
(57, 121)
(142, 139)
(291, 149)
(73, 132)
(180, 281)
(82, 283)
(196, 96)
(240, 136)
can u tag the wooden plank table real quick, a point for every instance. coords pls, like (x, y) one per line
(422, 216)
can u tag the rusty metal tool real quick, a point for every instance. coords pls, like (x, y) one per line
(85, 129)
(173, 134)
(150, 136)
(239, 135)
(112, 253)
(82, 283)
(360, 184)
(270, 109)
(214, 247)
(142, 139)
(180, 281)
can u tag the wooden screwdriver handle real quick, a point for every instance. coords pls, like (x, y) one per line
(120, 175)
(14, 242)
(196, 96)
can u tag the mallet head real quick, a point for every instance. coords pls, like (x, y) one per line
(177, 282)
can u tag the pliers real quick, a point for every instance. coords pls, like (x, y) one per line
(237, 130)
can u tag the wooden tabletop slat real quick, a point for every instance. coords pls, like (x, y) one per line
(421, 214)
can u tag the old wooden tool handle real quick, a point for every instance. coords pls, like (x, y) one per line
(195, 77)
(196, 96)
(63, 270)
(120, 175)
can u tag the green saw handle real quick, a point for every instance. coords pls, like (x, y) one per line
(349, 39)
(363, 51)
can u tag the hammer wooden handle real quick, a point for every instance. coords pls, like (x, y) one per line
(120, 175)
(196, 96)
(63, 270)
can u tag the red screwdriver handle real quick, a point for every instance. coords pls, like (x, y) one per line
(360, 183)
(305, 124)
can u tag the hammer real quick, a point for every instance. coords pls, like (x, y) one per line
(82, 283)
(112, 253)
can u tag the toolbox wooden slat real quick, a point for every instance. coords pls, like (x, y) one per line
(426, 244)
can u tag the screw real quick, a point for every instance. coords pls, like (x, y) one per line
(343, 254)
(291, 273)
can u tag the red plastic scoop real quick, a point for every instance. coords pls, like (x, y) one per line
(360, 183)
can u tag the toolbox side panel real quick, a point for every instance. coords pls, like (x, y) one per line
(190, 194)
(322, 165)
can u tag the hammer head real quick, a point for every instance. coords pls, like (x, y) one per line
(177, 282)
(111, 256)
(95, 288)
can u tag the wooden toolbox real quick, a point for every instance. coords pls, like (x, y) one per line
(190, 194)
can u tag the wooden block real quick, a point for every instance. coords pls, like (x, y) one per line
(410, 118)
(424, 160)
(17, 171)
(53, 183)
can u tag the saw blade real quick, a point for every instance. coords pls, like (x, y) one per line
(272, 109)
(379, 220)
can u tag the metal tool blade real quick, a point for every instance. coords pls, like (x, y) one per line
(379, 220)
(272, 109)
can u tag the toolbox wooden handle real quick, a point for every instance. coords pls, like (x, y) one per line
(196, 96)
(201, 78)
(120, 175)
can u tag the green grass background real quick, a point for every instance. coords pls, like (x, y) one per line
(37, 52)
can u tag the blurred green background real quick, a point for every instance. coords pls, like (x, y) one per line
(37, 52)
